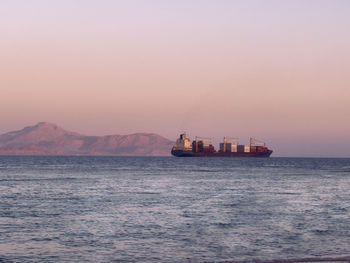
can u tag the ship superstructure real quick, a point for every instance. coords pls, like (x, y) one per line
(202, 147)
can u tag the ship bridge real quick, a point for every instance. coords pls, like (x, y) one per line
(183, 143)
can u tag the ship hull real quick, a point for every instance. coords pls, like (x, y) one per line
(181, 153)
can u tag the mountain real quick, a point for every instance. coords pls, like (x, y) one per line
(48, 139)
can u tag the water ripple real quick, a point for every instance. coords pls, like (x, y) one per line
(160, 209)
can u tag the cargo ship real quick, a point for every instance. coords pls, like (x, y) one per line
(202, 147)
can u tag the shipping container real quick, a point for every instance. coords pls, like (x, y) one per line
(231, 147)
(240, 148)
(210, 149)
(247, 149)
(199, 147)
(261, 149)
(234, 148)
(206, 143)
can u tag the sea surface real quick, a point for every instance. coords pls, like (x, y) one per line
(167, 209)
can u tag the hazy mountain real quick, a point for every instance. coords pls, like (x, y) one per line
(49, 139)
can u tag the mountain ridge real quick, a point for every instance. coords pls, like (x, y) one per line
(47, 138)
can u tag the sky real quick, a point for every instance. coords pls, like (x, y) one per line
(275, 70)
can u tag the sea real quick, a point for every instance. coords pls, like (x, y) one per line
(167, 209)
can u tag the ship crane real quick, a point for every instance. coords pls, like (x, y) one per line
(256, 142)
(231, 139)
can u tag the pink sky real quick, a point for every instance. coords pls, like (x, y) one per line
(275, 70)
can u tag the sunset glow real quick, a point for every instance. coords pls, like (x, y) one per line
(275, 70)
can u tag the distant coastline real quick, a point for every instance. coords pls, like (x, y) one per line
(47, 138)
